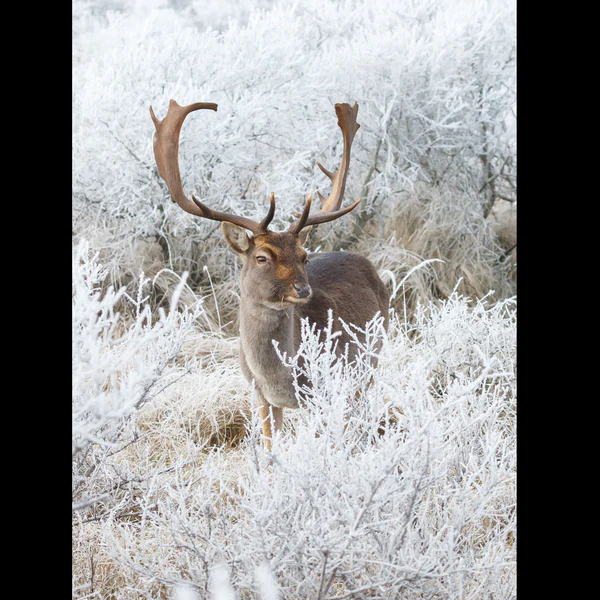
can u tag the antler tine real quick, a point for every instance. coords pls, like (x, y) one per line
(325, 217)
(166, 153)
(330, 208)
(297, 226)
(267, 220)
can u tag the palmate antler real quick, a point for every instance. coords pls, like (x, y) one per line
(330, 208)
(166, 153)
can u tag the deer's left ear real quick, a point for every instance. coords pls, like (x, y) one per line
(237, 238)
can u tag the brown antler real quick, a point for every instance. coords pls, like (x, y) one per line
(330, 208)
(166, 153)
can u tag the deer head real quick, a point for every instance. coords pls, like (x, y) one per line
(274, 269)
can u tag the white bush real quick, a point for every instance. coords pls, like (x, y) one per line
(117, 367)
(406, 491)
(436, 148)
(394, 481)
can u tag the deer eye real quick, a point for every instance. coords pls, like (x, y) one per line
(261, 260)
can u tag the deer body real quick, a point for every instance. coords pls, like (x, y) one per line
(280, 283)
(354, 295)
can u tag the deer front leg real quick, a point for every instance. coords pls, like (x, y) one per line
(271, 418)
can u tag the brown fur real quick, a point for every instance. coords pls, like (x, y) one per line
(270, 308)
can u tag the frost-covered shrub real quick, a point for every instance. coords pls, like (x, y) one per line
(394, 481)
(117, 367)
(404, 490)
(436, 149)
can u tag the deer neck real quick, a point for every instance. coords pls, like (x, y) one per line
(259, 326)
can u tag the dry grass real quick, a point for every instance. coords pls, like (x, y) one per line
(463, 250)
(195, 425)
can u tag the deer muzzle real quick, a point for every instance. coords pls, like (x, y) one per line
(303, 291)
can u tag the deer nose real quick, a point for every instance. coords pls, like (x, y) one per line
(303, 291)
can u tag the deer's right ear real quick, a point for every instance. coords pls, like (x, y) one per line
(237, 238)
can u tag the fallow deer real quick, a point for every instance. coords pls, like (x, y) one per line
(281, 283)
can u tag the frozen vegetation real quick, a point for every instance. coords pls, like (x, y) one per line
(404, 488)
